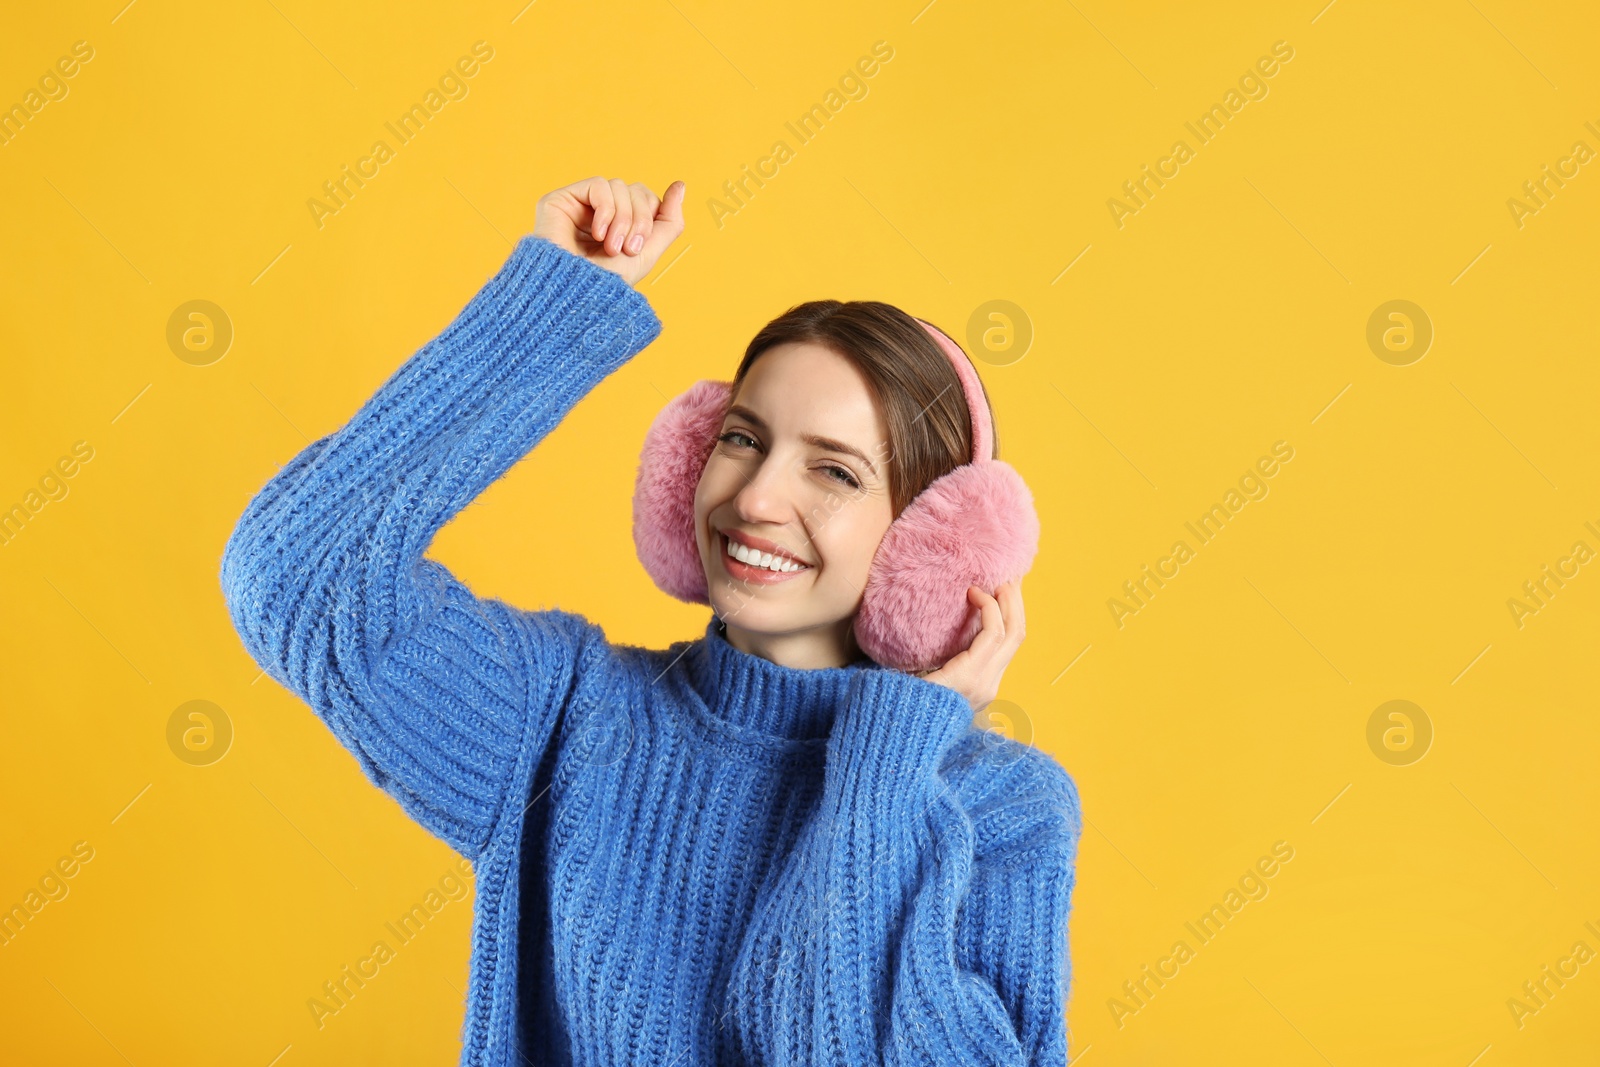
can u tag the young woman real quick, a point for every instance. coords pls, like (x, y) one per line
(757, 847)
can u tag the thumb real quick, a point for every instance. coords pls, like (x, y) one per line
(668, 222)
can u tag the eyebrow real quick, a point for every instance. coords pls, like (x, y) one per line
(809, 438)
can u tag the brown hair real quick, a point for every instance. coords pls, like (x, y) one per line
(930, 432)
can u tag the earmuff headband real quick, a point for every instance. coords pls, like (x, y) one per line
(972, 388)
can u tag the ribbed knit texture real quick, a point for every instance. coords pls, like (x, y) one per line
(684, 857)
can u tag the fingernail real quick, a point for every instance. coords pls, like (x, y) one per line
(635, 243)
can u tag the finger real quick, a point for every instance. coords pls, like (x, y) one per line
(596, 192)
(671, 209)
(992, 621)
(1011, 610)
(668, 221)
(644, 213)
(617, 232)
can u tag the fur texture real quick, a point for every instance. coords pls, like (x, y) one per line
(676, 448)
(974, 526)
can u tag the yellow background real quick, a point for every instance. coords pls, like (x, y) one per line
(1229, 313)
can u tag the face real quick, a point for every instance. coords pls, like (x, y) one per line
(800, 471)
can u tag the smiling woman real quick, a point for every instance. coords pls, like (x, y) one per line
(757, 846)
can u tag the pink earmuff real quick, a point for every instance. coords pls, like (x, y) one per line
(975, 525)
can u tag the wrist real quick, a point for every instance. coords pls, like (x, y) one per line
(545, 292)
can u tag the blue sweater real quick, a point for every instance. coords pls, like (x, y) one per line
(683, 857)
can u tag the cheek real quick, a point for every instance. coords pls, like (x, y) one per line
(712, 490)
(702, 508)
(850, 537)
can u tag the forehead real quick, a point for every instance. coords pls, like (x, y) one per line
(806, 388)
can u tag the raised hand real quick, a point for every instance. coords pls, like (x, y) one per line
(621, 227)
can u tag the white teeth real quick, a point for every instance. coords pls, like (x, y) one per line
(765, 560)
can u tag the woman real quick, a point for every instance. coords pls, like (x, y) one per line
(758, 847)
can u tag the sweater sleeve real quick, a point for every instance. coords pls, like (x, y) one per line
(432, 690)
(1013, 926)
(929, 954)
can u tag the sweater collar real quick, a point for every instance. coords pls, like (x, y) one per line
(765, 701)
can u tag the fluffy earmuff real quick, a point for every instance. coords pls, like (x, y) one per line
(974, 526)
(676, 448)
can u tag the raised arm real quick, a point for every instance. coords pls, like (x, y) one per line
(941, 929)
(433, 690)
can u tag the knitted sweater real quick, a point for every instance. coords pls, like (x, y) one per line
(683, 857)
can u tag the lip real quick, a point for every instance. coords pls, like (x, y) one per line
(744, 572)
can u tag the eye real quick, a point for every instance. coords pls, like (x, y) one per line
(848, 478)
(740, 439)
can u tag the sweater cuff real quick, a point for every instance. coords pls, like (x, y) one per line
(898, 727)
(566, 304)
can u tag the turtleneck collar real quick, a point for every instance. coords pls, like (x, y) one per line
(765, 702)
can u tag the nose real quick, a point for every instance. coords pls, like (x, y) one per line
(768, 497)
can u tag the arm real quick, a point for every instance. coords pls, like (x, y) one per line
(432, 690)
(1013, 925)
(927, 954)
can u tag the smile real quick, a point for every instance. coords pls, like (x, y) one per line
(748, 564)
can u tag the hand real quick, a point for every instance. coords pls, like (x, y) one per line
(976, 671)
(623, 228)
